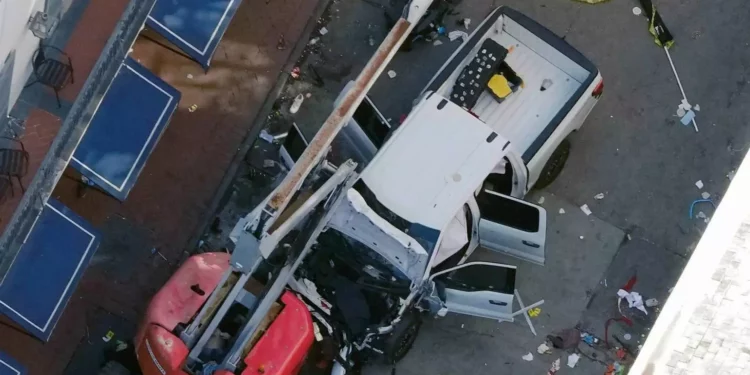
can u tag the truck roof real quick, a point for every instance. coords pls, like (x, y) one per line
(433, 163)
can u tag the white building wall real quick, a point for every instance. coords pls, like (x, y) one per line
(16, 36)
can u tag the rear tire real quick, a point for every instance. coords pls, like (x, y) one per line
(113, 368)
(554, 165)
(401, 340)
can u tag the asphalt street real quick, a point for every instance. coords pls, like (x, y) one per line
(632, 147)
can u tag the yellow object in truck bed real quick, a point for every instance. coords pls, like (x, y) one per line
(499, 87)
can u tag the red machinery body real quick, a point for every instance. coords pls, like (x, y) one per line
(280, 351)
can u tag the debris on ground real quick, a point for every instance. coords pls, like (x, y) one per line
(565, 339)
(705, 195)
(192, 108)
(371, 41)
(615, 369)
(466, 22)
(585, 209)
(581, 237)
(692, 206)
(281, 43)
(562, 211)
(589, 339)
(308, 95)
(731, 174)
(546, 83)
(437, 42)
(573, 360)
(703, 217)
(456, 34)
(652, 302)
(634, 300)
(392, 73)
(323, 30)
(543, 348)
(681, 112)
(697, 107)
(296, 104)
(190, 76)
(637, 11)
(599, 196)
(699, 184)
(554, 368)
(620, 353)
(528, 357)
(295, 73)
(688, 118)
(313, 41)
(534, 312)
(540, 201)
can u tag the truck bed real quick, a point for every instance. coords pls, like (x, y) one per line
(535, 54)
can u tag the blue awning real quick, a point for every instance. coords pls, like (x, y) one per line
(195, 26)
(47, 268)
(125, 128)
(9, 366)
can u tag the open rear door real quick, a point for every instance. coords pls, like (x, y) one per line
(512, 226)
(479, 289)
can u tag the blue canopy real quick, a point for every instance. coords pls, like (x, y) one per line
(125, 128)
(195, 26)
(9, 366)
(46, 270)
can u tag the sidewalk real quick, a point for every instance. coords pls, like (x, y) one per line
(181, 177)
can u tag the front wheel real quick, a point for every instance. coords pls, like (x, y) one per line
(403, 337)
(554, 165)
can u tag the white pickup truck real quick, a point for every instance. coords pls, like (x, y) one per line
(557, 87)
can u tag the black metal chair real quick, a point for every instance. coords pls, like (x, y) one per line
(53, 68)
(6, 185)
(14, 162)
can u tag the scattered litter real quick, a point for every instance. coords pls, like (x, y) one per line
(371, 41)
(627, 336)
(308, 95)
(193, 108)
(573, 360)
(546, 83)
(701, 215)
(620, 353)
(535, 312)
(323, 30)
(528, 357)
(555, 367)
(541, 200)
(684, 104)
(605, 283)
(629, 237)
(705, 195)
(297, 103)
(281, 44)
(692, 205)
(589, 339)
(681, 112)
(599, 196)
(190, 76)
(392, 73)
(462, 326)
(437, 42)
(586, 210)
(455, 34)
(313, 41)
(108, 337)
(637, 11)
(581, 237)
(688, 118)
(652, 302)
(543, 348)
(562, 211)
(634, 300)
(615, 369)
(466, 22)
(295, 72)
(699, 184)
(730, 175)
(697, 107)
